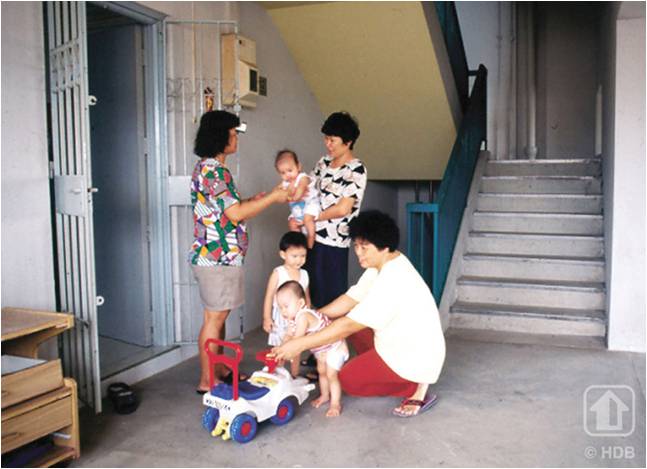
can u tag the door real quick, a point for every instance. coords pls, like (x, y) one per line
(121, 226)
(69, 100)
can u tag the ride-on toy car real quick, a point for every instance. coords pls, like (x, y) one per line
(234, 410)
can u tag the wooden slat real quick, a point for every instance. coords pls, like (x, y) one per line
(34, 381)
(30, 405)
(35, 421)
(18, 322)
(57, 454)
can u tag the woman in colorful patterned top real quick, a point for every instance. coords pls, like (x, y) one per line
(218, 250)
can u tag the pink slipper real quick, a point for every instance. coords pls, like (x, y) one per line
(423, 406)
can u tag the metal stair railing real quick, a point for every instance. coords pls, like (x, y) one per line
(432, 228)
(448, 19)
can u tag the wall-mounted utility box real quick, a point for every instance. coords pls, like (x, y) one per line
(239, 52)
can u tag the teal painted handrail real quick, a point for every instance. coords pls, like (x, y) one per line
(448, 19)
(433, 227)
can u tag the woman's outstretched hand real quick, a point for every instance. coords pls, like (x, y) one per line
(286, 351)
(279, 194)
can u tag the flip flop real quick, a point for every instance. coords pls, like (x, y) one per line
(201, 391)
(423, 406)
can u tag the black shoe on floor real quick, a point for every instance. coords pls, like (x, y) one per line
(311, 361)
(123, 398)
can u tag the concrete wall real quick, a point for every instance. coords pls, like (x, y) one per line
(566, 45)
(625, 178)
(608, 84)
(566, 79)
(479, 23)
(27, 252)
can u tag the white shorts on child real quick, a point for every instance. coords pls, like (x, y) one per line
(299, 209)
(336, 356)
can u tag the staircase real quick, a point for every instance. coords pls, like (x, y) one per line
(533, 268)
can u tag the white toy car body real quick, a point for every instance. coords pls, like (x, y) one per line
(265, 395)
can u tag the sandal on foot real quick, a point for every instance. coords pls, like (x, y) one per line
(423, 406)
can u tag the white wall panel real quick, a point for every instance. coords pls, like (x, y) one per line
(27, 253)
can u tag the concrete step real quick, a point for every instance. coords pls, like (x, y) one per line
(537, 268)
(551, 223)
(522, 338)
(542, 184)
(551, 203)
(531, 293)
(569, 167)
(528, 319)
(535, 244)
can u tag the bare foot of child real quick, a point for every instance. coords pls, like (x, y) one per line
(318, 402)
(334, 410)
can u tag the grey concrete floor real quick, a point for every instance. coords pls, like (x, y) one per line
(500, 405)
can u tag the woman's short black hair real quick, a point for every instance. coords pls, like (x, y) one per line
(377, 228)
(342, 125)
(213, 133)
(293, 239)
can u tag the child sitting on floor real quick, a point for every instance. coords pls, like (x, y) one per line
(292, 249)
(291, 300)
(303, 200)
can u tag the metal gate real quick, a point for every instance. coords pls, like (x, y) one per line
(69, 115)
(193, 86)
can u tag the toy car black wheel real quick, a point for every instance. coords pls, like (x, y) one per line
(243, 428)
(284, 411)
(210, 419)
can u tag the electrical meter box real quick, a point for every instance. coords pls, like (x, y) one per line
(238, 54)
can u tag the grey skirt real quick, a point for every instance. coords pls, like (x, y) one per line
(222, 287)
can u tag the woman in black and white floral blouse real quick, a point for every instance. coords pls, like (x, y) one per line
(341, 182)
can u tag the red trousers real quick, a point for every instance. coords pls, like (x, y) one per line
(368, 375)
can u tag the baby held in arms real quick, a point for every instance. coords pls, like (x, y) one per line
(302, 194)
(291, 300)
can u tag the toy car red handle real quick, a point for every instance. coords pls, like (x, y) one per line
(230, 362)
(269, 360)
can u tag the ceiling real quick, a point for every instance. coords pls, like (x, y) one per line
(376, 61)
